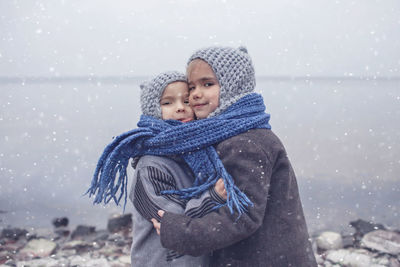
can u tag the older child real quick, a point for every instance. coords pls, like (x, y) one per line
(273, 231)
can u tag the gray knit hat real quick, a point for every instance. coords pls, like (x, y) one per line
(234, 71)
(152, 90)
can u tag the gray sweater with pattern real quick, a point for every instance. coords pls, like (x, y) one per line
(154, 174)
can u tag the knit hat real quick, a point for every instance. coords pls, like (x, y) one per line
(234, 71)
(152, 90)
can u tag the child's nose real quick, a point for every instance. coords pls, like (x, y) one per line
(195, 94)
(180, 107)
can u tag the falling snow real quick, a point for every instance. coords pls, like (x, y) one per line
(69, 82)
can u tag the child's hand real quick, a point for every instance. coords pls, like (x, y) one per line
(157, 224)
(220, 188)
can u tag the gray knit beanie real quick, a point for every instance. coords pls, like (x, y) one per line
(152, 90)
(234, 71)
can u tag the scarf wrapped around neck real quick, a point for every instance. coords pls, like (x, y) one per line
(193, 141)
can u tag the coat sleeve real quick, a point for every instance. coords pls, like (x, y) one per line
(206, 203)
(251, 169)
(148, 198)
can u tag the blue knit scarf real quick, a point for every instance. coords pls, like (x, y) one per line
(193, 141)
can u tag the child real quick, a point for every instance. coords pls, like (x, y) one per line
(164, 97)
(164, 164)
(273, 231)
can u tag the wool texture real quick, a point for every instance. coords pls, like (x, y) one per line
(152, 90)
(234, 71)
(193, 141)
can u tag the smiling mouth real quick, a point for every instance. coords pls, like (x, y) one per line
(199, 105)
(186, 120)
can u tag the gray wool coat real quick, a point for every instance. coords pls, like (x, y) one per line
(272, 233)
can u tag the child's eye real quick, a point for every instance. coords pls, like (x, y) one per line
(165, 103)
(186, 101)
(191, 88)
(208, 84)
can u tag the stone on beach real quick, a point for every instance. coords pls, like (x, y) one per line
(82, 231)
(349, 258)
(363, 227)
(329, 240)
(118, 223)
(78, 245)
(38, 248)
(383, 241)
(60, 222)
(13, 233)
(61, 227)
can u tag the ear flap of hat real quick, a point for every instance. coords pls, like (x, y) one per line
(243, 49)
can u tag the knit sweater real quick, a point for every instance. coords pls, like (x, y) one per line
(272, 233)
(154, 174)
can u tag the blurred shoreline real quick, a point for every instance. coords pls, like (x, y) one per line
(328, 205)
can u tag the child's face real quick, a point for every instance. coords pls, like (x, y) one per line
(175, 103)
(203, 88)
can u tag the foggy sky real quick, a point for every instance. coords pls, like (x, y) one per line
(294, 38)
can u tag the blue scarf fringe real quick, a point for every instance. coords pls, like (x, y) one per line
(193, 141)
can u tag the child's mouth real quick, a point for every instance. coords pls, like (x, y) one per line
(186, 120)
(199, 105)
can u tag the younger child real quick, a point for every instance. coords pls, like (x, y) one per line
(273, 231)
(165, 97)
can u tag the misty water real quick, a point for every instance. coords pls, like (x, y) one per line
(342, 137)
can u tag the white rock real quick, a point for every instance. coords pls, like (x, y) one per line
(125, 259)
(329, 240)
(348, 258)
(48, 262)
(358, 260)
(383, 241)
(337, 256)
(39, 248)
